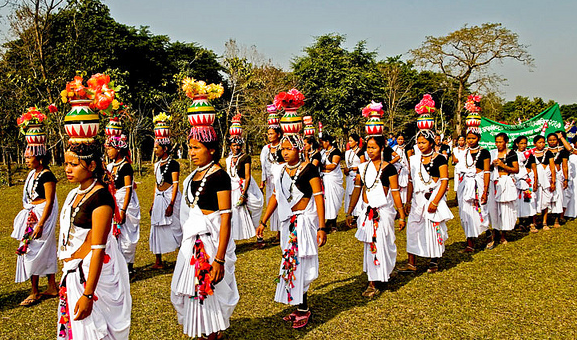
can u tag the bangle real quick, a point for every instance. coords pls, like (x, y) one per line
(435, 204)
(263, 224)
(89, 296)
(123, 209)
(317, 193)
(98, 246)
(171, 205)
(226, 211)
(325, 229)
(219, 261)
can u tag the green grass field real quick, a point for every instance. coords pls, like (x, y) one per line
(523, 290)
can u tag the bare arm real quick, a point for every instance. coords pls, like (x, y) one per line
(271, 206)
(394, 187)
(315, 183)
(486, 179)
(217, 272)
(170, 207)
(50, 191)
(444, 173)
(334, 162)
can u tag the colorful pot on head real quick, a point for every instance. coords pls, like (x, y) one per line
(235, 128)
(81, 123)
(113, 128)
(309, 127)
(290, 122)
(374, 125)
(161, 130)
(425, 122)
(473, 120)
(201, 112)
(35, 135)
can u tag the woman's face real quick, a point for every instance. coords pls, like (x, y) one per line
(374, 150)
(235, 148)
(352, 143)
(112, 153)
(326, 144)
(199, 154)
(552, 141)
(424, 145)
(400, 140)
(437, 140)
(31, 162)
(461, 141)
(500, 143)
(540, 144)
(522, 145)
(159, 151)
(76, 169)
(290, 154)
(272, 136)
(472, 140)
(308, 147)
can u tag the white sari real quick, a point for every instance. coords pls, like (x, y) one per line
(402, 167)
(165, 231)
(267, 166)
(353, 161)
(333, 188)
(524, 181)
(502, 201)
(474, 215)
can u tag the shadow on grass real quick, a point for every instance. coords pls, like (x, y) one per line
(147, 272)
(13, 299)
(251, 245)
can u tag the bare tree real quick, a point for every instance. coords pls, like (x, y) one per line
(397, 90)
(466, 55)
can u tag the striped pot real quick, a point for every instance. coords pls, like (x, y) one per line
(113, 128)
(81, 123)
(374, 126)
(35, 135)
(425, 122)
(200, 112)
(290, 122)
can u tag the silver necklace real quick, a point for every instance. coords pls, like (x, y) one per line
(160, 163)
(293, 178)
(30, 193)
(119, 165)
(427, 169)
(352, 156)
(272, 156)
(200, 187)
(377, 179)
(233, 165)
(74, 211)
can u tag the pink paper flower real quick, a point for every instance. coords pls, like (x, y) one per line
(373, 107)
(426, 105)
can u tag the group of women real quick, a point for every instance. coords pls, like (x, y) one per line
(303, 180)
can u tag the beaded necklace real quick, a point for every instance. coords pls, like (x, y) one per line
(327, 155)
(293, 178)
(233, 165)
(377, 179)
(468, 151)
(166, 162)
(351, 157)
(30, 193)
(74, 212)
(201, 186)
(117, 166)
(427, 167)
(272, 156)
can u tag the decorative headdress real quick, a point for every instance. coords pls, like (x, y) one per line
(117, 142)
(162, 128)
(30, 124)
(425, 122)
(374, 125)
(473, 120)
(309, 127)
(320, 130)
(235, 130)
(273, 119)
(291, 123)
(201, 114)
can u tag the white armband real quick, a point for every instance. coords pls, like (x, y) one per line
(226, 211)
(98, 246)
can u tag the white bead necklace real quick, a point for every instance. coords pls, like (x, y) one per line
(293, 178)
(233, 164)
(160, 163)
(74, 212)
(200, 187)
(30, 193)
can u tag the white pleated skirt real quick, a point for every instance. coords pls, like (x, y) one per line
(246, 217)
(165, 231)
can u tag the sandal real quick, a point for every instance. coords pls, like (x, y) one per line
(408, 269)
(301, 320)
(546, 227)
(291, 316)
(370, 292)
(433, 268)
(30, 301)
(467, 249)
(491, 245)
(533, 229)
(503, 241)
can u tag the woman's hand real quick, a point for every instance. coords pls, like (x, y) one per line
(122, 217)
(241, 200)
(407, 208)
(402, 224)
(83, 308)
(216, 272)
(432, 208)
(169, 210)
(349, 220)
(260, 230)
(535, 186)
(261, 186)
(552, 188)
(565, 184)
(346, 171)
(321, 238)
(150, 211)
(37, 232)
(498, 162)
(484, 198)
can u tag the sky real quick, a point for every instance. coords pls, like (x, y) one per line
(281, 29)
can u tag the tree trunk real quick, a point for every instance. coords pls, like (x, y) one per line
(9, 170)
(460, 105)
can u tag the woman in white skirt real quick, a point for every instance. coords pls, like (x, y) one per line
(502, 191)
(298, 199)
(473, 189)
(458, 154)
(571, 191)
(165, 230)
(95, 300)
(246, 197)
(126, 221)
(402, 166)
(203, 290)
(35, 228)
(351, 170)
(377, 181)
(546, 180)
(270, 157)
(560, 158)
(427, 204)
(526, 182)
(332, 178)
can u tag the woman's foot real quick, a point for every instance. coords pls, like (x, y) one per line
(491, 245)
(556, 225)
(546, 227)
(504, 241)
(433, 268)
(371, 291)
(467, 249)
(301, 319)
(408, 269)
(290, 317)
(50, 293)
(31, 300)
(533, 228)
(158, 266)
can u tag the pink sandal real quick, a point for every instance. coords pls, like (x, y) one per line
(301, 320)
(291, 316)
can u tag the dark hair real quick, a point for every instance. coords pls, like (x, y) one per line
(214, 145)
(312, 141)
(400, 135)
(327, 138)
(503, 135)
(89, 153)
(276, 129)
(380, 140)
(552, 134)
(537, 138)
(44, 159)
(355, 137)
(428, 136)
(473, 133)
(517, 141)
(461, 135)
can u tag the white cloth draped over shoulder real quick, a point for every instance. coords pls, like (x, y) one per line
(571, 190)
(402, 167)
(40, 259)
(305, 227)
(426, 232)
(165, 231)
(460, 155)
(333, 188)
(502, 201)
(267, 165)
(379, 265)
(110, 317)
(524, 181)
(246, 217)
(474, 215)
(213, 314)
(353, 161)
(543, 195)
(558, 197)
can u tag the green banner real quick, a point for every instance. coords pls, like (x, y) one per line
(544, 123)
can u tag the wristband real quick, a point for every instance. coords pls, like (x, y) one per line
(435, 204)
(98, 246)
(219, 261)
(226, 211)
(89, 296)
(318, 193)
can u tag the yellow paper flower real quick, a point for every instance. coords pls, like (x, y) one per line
(161, 117)
(115, 104)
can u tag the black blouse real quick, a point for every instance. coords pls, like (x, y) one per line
(173, 166)
(303, 181)
(479, 158)
(100, 197)
(208, 198)
(43, 178)
(240, 165)
(387, 172)
(124, 170)
(433, 167)
(530, 161)
(334, 152)
(509, 159)
(544, 159)
(560, 155)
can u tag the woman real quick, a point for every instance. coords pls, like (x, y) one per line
(402, 166)
(378, 180)
(203, 289)
(126, 221)
(503, 192)
(526, 182)
(332, 179)
(270, 157)
(571, 191)
(441, 147)
(311, 151)
(560, 158)
(165, 231)
(300, 203)
(473, 189)
(351, 170)
(246, 197)
(95, 300)
(35, 227)
(546, 179)
(458, 154)
(427, 204)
